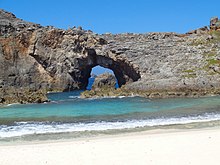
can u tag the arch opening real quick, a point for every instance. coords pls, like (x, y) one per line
(96, 71)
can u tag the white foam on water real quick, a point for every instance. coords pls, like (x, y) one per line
(73, 97)
(110, 97)
(28, 128)
(8, 105)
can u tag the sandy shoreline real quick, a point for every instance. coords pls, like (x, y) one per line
(169, 147)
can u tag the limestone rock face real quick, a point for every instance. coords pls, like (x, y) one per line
(37, 57)
(104, 81)
(41, 58)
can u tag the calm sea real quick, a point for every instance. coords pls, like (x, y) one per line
(68, 116)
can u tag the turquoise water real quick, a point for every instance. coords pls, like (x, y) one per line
(67, 113)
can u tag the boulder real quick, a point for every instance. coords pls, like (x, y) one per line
(104, 81)
(214, 23)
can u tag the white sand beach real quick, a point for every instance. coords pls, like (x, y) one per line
(159, 147)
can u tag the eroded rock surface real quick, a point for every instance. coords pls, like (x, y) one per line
(41, 58)
(105, 80)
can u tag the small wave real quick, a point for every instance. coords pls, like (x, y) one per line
(54, 102)
(13, 104)
(109, 97)
(73, 97)
(28, 128)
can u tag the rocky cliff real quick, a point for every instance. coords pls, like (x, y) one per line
(35, 58)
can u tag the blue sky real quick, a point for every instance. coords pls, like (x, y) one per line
(99, 70)
(117, 16)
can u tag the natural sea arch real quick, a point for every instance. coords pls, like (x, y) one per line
(123, 71)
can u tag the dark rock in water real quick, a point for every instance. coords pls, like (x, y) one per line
(38, 58)
(105, 80)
